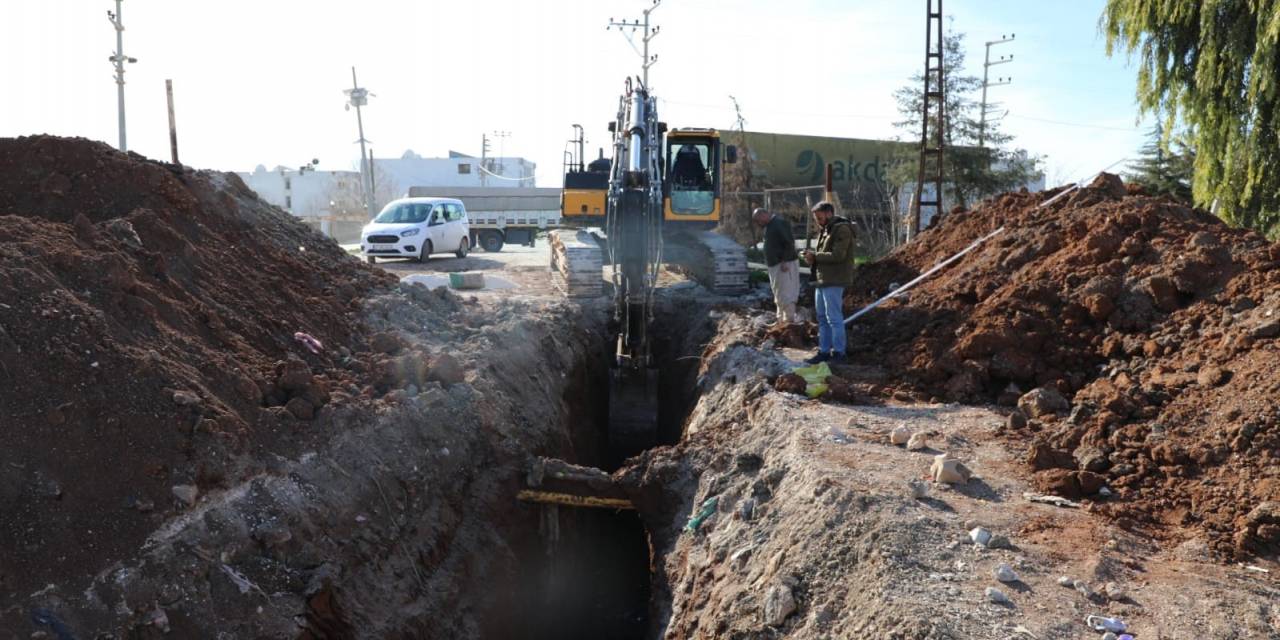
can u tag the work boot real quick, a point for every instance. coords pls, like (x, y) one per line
(818, 359)
(837, 358)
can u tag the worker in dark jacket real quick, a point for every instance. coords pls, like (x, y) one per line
(784, 266)
(832, 260)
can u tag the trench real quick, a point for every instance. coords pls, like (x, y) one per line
(588, 573)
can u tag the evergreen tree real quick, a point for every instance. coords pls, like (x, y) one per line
(970, 172)
(1214, 66)
(1165, 165)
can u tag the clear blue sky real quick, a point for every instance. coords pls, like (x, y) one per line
(261, 82)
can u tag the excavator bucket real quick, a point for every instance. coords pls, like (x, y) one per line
(633, 411)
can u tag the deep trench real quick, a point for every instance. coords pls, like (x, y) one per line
(595, 581)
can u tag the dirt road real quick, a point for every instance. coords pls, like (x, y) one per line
(514, 271)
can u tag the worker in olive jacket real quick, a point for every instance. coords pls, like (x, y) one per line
(832, 261)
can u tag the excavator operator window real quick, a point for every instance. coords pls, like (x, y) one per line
(692, 177)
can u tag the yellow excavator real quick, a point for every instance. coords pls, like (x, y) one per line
(655, 202)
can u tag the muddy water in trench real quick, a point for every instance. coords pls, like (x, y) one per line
(586, 573)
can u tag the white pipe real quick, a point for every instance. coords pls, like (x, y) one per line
(922, 276)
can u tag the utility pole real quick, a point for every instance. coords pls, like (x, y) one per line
(936, 96)
(986, 65)
(358, 97)
(502, 164)
(484, 155)
(648, 34)
(173, 123)
(118, 59)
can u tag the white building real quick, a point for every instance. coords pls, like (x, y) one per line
(457, 170)
(333, 201)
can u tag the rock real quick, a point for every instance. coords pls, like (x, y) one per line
(293, 375)
(949, 470)
(790, 383)
(1041, 456)
(779, 603)
(446, 369)
(900, 435)
(185, 398)
(999, 542)
(1017, 421)
(1163, 291)
(917, 442)
(385, 342)
(1091, 459)
(917, 489)
(1058, 482)
(1065, 581)
(1004, 573)
(300, 408)
(980, 536)
(123, 231)
(1110, 184)
(1113, 591)
(1109, 636)
(1123, 469)
(996, 596)
(1043, 401)
(1269, 328)
(1090, 482)
(1212, 376)
(1083, 588)
(186, 493)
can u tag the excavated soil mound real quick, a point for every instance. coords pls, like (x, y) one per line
(147, 346)
(1137, 336)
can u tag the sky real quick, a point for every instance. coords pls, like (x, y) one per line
(261, 82)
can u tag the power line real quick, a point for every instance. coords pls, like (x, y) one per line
(1073, 124)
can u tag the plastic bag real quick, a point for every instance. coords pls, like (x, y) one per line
(815, 378)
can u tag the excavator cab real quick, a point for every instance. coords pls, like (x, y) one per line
(693, 170)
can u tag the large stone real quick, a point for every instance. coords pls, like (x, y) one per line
(918, 441)
(949, 470)
(1043, 401)
(1041, 456)
(186, 493)
(779, 603)
(385, 342)
(900, 435)
(1091, 459)
(300, 408)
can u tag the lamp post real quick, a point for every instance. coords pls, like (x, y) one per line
(357, 97)
(118, 59)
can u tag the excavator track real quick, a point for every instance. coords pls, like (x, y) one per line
(728, 263)
(577, 263)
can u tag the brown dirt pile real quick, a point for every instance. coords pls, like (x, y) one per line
(1150, 330)
(147, 345)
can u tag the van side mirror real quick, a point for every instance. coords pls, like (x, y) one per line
(730, 154)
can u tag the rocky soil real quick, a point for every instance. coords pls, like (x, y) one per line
(1147, 330)
(779, 516)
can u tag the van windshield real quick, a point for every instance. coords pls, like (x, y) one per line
(404, 213)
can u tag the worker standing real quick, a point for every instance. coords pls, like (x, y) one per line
(832, 260)
(784, 266)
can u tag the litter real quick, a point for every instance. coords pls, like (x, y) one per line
(708, 508)
(1057, 501)
(815, 378)
(1103, 623)
(309, 341)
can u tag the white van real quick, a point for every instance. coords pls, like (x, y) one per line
(415, 228)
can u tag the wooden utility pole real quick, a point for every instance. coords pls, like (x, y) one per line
(934, 94)
(173, 125)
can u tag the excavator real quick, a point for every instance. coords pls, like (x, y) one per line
(655, 202)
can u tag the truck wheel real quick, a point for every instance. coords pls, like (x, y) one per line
(491, 241)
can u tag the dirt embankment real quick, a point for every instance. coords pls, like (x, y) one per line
(215, 419)
(1150, 329)
(776, 516)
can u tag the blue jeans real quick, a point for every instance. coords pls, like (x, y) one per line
(828, 302)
